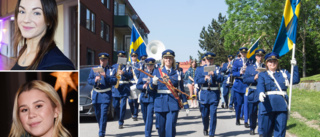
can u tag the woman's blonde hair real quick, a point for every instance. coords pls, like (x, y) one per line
(173, 63)
(17, 129)
(266, 61)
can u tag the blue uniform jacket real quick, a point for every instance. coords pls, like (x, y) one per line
(165, 102)
(182, 96)
(197, 72)
(150, 93)
(274, 103)
(136, 73)
(206, 97)
(105, 82)
(248, 79)
(238, 85)
(124, 89)
(55, 60)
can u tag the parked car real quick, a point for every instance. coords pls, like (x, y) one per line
(86, 108)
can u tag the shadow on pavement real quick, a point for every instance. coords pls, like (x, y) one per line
(234, 133)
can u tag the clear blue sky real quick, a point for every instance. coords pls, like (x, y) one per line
(178, 23)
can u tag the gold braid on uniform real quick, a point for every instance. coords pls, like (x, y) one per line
(150, 87)
(185, 103)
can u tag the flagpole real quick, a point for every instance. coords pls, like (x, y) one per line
(291, 79)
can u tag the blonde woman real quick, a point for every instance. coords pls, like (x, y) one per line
(190, 75)
(37, 111)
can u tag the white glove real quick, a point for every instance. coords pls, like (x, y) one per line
(262, 96)
(155, 80)
(294, 62)
(187, 112)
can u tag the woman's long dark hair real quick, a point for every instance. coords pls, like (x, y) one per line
(50, 13)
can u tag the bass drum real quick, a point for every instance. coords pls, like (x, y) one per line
(134, 92)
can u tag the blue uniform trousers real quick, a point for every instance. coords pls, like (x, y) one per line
(260, 117)
(134, 107)
(231, 98)
(147, 110)
(245, 109)
(120, 108)
(276, 121)
(167, 123)
(239, 99)
(226, 94)
(209, 109)
(101, 111)
(253, 115)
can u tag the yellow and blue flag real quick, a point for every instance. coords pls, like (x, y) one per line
(288, 29)
(137, 44)
(252, 50)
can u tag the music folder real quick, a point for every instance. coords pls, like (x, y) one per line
(209, 68)
(98, 70)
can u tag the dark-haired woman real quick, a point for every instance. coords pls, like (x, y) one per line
(36, 22)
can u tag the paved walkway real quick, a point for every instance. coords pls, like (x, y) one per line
(187, 126)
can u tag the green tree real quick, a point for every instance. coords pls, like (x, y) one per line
(211, 40)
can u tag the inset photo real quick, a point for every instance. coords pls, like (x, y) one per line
(39, 35)
(39, 104)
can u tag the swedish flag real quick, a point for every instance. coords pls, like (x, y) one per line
(288, 29)
(252, 50)
(137, 44)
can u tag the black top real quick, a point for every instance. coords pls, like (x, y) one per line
(52, 60)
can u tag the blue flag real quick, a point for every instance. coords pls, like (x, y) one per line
(137, 44)
(288, 28)
(252, 50)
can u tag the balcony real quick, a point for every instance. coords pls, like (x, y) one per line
(123, 24)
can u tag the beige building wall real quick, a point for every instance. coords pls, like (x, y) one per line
(59, 35)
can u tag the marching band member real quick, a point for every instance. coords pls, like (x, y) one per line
(250, 77)
(101, 93)
(133, 103)
(272, 87)
(209, 95)
(123, 91)
(147, 96)
(183, 97)
(166, 103)
(239, 87)
(197, 87)
(225, 71)
(190, 75)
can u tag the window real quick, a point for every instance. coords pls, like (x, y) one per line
(122, 9)
(104, 33)
(87, 18)
(115, 8)
(106, 3)
(90, 57)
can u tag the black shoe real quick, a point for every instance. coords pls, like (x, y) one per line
(120, 126)
(252, 132)
(135, 119)
(205, 132)
(222, 105)
(238, 122)
(227, 106)
(246, 125)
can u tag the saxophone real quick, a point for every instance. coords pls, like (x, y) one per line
(118, 76)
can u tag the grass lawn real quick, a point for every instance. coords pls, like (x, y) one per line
(307, 104)
(313, 78)
(301, 129)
